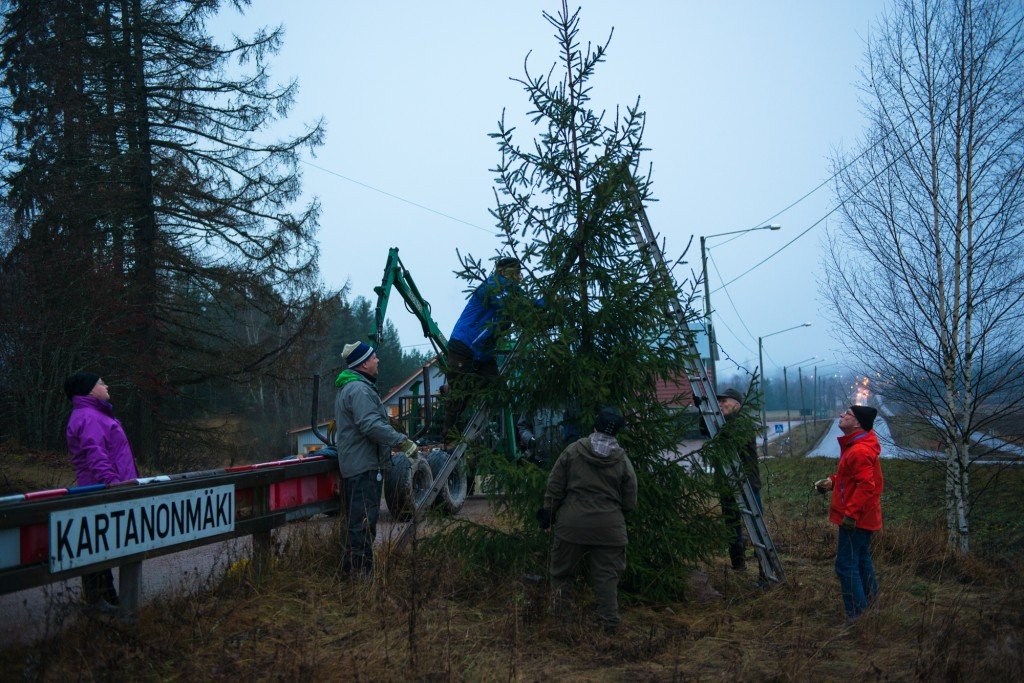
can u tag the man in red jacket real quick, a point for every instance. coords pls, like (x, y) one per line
(856, 507)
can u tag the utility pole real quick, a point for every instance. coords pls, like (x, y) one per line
(760, 370)
(814, 401)
(789, 422)
(707, 312)
(708, 328)
(800, 374)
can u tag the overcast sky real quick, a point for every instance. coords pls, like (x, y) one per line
(746, 104)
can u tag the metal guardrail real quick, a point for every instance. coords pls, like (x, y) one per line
(50, 536)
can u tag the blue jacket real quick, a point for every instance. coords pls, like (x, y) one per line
(482, 318)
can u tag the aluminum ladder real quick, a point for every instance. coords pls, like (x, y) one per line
(706, 399)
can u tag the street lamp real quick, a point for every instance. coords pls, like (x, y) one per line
(760, 369)
(707, 291)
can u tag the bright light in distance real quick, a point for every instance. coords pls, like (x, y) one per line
(861, 391)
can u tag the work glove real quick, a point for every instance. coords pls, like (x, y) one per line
(544, 518)
(410, 449)
(823, 485)
(849, 523)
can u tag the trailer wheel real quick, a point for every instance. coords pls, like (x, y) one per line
(453, 495)
(404, 484)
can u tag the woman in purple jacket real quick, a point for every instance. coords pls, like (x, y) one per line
(101, 455)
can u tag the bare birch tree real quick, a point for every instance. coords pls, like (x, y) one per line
(924, 274)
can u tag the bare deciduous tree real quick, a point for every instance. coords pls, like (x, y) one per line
(924, 274)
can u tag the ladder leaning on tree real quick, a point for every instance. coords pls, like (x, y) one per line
(704, 395)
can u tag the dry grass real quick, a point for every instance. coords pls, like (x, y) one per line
(24, 470)
(939, 617)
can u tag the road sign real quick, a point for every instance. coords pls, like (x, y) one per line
(82, 536)
(778, 429)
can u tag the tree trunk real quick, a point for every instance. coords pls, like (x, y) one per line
(956, 495)
(146, 342)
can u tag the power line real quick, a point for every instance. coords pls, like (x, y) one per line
(395, 196)
(818, 222)
(736, 336)
(733, 303)
(891, 129)
(740, 317)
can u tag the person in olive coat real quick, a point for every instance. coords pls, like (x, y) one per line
(730, 402)
(590, 488)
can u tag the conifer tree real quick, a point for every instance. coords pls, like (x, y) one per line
(566, 207)
(143, 161)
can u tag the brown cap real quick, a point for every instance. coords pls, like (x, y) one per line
(731, 393)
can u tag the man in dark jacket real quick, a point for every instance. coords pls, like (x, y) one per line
(730, 402)
(589, 489)
(364, 438)
(856, 507)
(101, 454)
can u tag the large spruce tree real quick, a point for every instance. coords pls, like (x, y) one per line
(567, 206)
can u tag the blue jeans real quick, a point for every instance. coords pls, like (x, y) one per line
(855, 571)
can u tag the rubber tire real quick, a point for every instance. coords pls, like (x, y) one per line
(452, 496)
(404, 484)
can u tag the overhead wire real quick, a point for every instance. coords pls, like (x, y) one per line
(395, 196)
(736, 310)
(832, 177)
(812, 226)
(740, 317)
(831, 211)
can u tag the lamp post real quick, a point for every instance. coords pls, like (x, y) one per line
(707, 291)
(760, 369)
(785, 384)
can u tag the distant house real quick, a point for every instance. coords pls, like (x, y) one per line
(306, 442)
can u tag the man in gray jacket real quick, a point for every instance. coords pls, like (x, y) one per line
(589, 489)
(364, 439)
